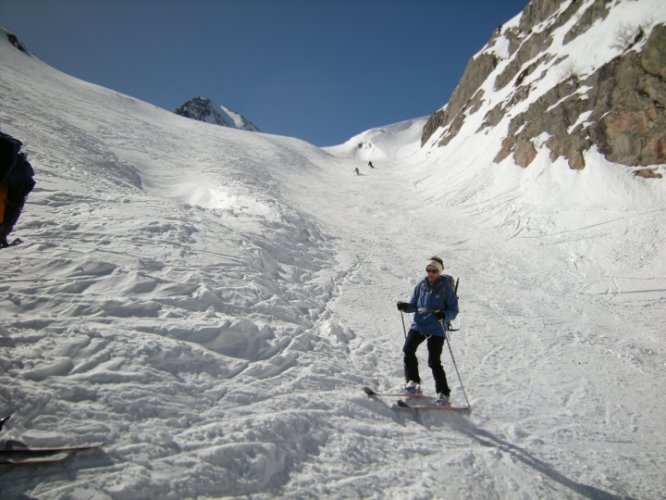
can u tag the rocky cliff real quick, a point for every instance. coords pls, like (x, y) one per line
(568, 76)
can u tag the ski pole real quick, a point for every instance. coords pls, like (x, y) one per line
(448, 342)
(404, 330)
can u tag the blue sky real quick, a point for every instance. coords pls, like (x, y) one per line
(319, 70)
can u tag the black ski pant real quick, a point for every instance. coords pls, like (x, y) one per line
(435, 347)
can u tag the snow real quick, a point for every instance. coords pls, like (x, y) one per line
(208, 303)
(236, 118)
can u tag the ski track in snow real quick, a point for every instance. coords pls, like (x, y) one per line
(208, 303)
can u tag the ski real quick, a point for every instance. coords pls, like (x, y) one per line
(28, 452)
(416, 401)
(45, 460)
(431, 406)
(372, 393)
(17, 453)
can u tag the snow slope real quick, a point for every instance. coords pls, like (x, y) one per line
(208, 303)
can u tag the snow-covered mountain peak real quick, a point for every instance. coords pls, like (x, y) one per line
(206, 110)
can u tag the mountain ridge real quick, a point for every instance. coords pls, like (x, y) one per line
(554, 94)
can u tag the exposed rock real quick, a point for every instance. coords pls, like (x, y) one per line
(648, 173)
(16, 43)
(629, 123)
(536, 12)
(598, 10)
(508, 145)
(654, 53)
(495, 115)
(626, 119)
(524, 152)
(436, 120)
(619, 107)
(534, 47)
(476, 72)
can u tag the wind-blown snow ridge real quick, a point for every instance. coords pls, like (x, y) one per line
(208, 303)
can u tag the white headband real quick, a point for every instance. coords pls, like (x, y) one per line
(436, 264)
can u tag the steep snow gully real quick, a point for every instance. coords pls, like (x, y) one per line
(209, 302)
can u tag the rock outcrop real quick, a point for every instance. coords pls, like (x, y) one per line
(205, 110)
(617, 107)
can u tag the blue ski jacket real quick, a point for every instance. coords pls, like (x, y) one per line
(427, 299)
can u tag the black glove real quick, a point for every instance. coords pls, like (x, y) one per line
(440, 315)
(402, 306)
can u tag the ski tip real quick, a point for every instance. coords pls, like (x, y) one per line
(3, 421)
(98, 444)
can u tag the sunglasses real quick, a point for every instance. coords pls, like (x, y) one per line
(431, 270)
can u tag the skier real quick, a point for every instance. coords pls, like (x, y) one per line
(370, 165)
(356, 171)
(435, 303)
(16, 182)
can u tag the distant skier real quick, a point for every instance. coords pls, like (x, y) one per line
(370, 165)
(356, 171)
(434, 303)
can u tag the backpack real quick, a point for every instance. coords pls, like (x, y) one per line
(9, 152)
(441, 285)
(16, 182)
